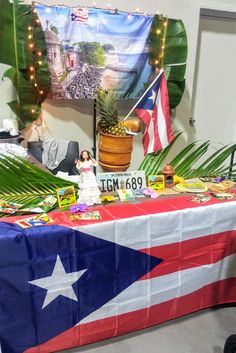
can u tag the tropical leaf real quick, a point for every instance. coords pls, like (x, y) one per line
(175, 91)
(186, 165)
(152, 162)
(12, 75)
(190, 162)
(168, 49)
(24, 183)
(16, 19)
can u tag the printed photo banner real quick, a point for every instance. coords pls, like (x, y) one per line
(88, 48)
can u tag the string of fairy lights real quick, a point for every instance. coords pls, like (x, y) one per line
(38, 62)
(162, 33)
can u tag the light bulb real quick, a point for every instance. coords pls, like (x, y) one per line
(41, 92)
(163, 47)
(158, 31)
(39, 53)
(30, 36)
(31, 45)
(31, 77)
(37, 21)
(165, 24)
(35, 85)
(32, 110)
(31, 68)
(156, 62)
(40, 62)
(29, 28)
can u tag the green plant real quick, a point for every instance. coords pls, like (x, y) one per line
(29, 73)
(168, 49)
(189, 162)
(24, 183)
(109, 114)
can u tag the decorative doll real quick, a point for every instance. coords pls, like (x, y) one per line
(89, 192)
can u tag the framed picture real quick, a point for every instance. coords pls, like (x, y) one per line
(66, 196)
(156, 182)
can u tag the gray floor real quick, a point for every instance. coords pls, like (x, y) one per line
(201, 332)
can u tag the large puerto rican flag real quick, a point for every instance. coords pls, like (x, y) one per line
(67, 285)
(153, 109)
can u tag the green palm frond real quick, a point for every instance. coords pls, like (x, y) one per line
(24, 183)
(190, 162)
(153, 162)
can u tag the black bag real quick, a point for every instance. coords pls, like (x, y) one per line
(230, 344)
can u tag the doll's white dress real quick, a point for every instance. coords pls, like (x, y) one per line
(88, 187)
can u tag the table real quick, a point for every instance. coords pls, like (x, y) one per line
(73, 283)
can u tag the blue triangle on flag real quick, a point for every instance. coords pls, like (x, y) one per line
(30, 254)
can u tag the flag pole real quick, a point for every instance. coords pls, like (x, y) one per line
(161, 71)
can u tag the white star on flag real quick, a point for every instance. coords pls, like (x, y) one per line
(153, 96)
(59, 283)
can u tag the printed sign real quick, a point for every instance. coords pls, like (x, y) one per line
(66, 196)
(156, 182)
(111, 182)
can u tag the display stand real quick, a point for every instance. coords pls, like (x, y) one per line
(94, 148)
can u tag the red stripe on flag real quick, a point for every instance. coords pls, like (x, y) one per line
(192, 253)
(157, 141)
(146, 138)
(213, 294)
(144, 115)
(81, 18)
(164, 99)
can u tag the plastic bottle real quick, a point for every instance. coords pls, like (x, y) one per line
(168, 173)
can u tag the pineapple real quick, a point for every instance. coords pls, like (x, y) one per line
(109, 122)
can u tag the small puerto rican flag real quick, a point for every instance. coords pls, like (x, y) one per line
(80, 15)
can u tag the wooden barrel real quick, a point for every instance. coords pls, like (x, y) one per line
(115, 152)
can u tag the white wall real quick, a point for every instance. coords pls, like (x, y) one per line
(214, 104)
(73, 119)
